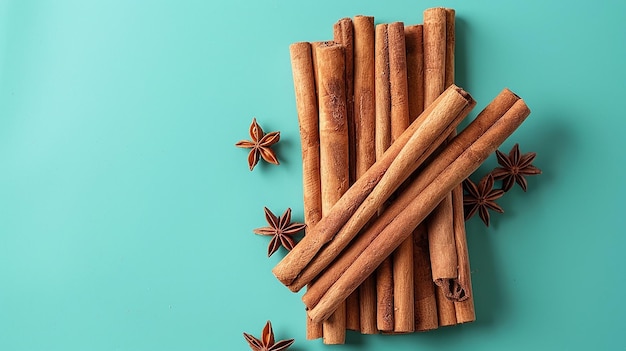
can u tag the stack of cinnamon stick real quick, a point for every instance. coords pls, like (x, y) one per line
(385, 248)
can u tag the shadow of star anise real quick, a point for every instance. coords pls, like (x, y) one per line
(481, 198)
(514, 168)
(260, 145)
(266, 343)
(281, 229)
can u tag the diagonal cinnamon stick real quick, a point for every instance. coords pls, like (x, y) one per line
(404, 223)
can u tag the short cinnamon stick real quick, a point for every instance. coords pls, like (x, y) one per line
(405, 222)
(425, 301)
(365, 126)
(306, 106)
(303, 71)
(464, 304)
(384, 273)
(483, 122)
(333, 151)
(415, 68)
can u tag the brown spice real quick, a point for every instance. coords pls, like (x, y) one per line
(281, 229)
(480, 198)
(267, 343)
(260, 145)
(514, 167)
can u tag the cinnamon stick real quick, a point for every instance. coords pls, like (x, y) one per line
(365, 126)
(415, 68)
(408, 219)
(303, 71)
(306, 106)
(384, 273)
(425, 304)
(402, 258)
(425, 135)
(464, 299)
(343, 33)
(484, 121)
(333, 152)
(440, 229)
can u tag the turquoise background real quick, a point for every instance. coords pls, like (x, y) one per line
(126, 212)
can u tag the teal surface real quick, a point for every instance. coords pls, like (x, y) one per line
(126, 212)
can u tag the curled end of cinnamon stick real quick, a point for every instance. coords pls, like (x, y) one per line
(453, 289)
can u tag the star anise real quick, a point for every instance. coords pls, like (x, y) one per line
(266, 343)
(281, 229)
(260, 144)
(514, 167)
(480, 198)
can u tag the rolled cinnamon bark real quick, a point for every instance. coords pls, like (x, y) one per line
(425, 304)
(415, 69)
(402, 258)
(333, 152)
(405, 222)
(425, 301)
(343, 33)
(464, 299)
(303, 71)
(434, 53)
(425, 134)
(384, 273)
(438, 58)
(306, 106)
(365, 126)
(484, 121)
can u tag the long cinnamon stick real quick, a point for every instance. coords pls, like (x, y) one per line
(365, 126)
(402, 258)
(484, 121)
(384, 273)
(333, 151)
(425, 304)
(303, 71)
(440, 228)
(343, 33)
(425, 135)
(405, 222)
